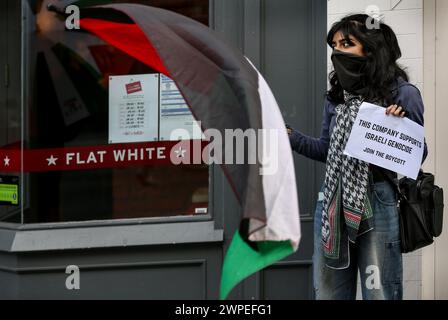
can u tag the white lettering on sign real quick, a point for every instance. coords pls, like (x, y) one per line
(389, 142)
(79, 158)
(139, 154)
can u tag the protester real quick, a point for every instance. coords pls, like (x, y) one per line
(356, 219)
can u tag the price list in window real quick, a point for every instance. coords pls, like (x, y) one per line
(133, 108)
(175, 114)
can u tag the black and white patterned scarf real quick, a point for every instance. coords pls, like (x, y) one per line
(346, 207)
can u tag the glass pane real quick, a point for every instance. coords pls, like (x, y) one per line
(11, 179)
(98, 125)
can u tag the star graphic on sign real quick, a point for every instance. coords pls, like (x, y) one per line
(52, 161)
(180, 153)
(7, 160)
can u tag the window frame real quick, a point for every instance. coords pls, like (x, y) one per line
(213, 220)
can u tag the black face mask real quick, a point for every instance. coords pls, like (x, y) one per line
(349, 70)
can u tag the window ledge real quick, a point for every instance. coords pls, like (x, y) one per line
(108, 236)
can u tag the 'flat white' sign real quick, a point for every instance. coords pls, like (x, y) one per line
(389, 142)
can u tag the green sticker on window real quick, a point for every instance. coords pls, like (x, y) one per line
(9, 191)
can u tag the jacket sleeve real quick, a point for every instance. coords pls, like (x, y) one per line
(310, 147)
(410, 98)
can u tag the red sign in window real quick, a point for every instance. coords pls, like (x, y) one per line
(134, 87)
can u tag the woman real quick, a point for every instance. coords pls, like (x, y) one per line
(356, 219)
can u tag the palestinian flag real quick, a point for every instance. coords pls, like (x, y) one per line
(224, 91)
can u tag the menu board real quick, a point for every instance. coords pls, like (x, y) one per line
(149, 107)
(175, 114)
(133, 108)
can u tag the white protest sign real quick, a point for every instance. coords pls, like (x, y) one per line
(389, 142)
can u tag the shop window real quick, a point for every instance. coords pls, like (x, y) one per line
(111, 143)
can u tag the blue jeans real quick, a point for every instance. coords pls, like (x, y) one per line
(376, 255)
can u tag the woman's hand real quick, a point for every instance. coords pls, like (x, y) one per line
(396, 110)
(288, 129)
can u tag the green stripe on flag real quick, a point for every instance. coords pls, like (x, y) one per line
(241, 260)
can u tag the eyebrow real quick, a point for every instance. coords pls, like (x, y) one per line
(348, 39)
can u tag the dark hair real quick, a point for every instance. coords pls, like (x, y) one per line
(382, 51)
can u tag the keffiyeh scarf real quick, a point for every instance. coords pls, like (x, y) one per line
(346, 208)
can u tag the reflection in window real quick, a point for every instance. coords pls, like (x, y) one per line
(69, 107)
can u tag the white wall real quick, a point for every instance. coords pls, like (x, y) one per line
(406, 19)
(429, 74)
(435, 258)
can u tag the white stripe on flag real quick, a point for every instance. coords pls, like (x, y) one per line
(279, 186)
